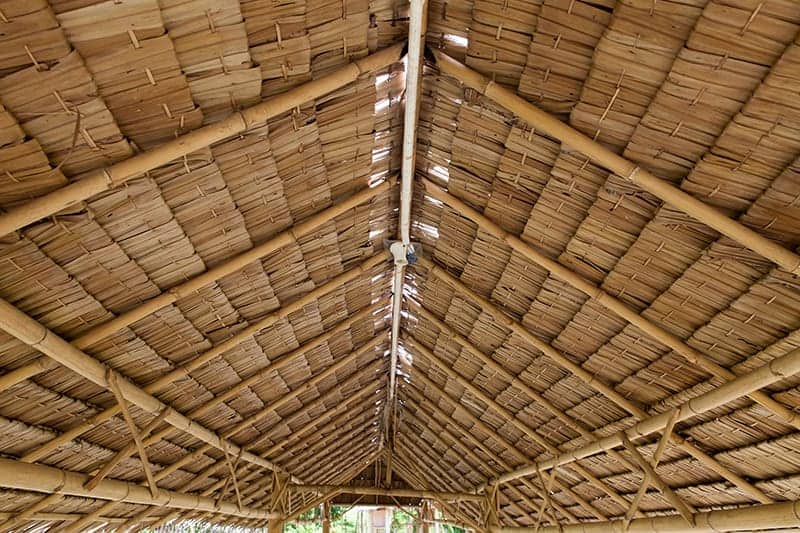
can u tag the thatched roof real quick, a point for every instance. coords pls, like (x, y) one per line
(218, 286)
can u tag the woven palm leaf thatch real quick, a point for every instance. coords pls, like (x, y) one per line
(191, 338)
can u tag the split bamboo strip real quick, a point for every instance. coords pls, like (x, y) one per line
(772, 372)
(230, 343)
(12, 521)
(38, 478)
(590, 380)
(397, 493)
(35, 335)
(238, 122)
(192, 285)
(754, 518)
(537, 398)
(784, 414)
(416, 346)
(569, 136)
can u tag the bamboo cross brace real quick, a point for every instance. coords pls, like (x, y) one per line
(590, 380)
(650, 476)
(240, 121)
(662, 446)
(547, 486)
(552, 126)
(776, 370)
(232, 469)
(113, 383)
(616, 306)
(125, 451)
(434, 360)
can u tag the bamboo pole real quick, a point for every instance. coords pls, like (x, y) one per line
(772, 372)
(481, 425)
(118, 173)
(190, 286)
(537, 398)
(753, 518)
(616, 306)
(614, 162)
(477, 462)
(184, 370)
(590, 380)
(397, 493)
(35, 335)
(45, 479)
(416, 346)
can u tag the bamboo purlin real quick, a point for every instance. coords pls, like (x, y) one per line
(589, 322)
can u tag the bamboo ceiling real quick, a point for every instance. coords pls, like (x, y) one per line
(186, 336)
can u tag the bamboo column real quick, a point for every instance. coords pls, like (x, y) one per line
(603, 388)
(45, 479)
(326, 516)
(616, 306)
(626, 169)
(238, 122)
(755, 518)
(772, 372)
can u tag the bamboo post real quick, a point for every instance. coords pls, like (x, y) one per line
(326, 517)
(616, 306)
(118, 173)
(45, 479)
(190, 286)
(626, 169)
(754, 518)
(590, 380)
(772, 372)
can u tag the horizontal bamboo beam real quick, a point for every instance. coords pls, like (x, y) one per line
(753, 518)
(118, 173)
(616, 306)
(48, 480)
(192, 285)
(38, 337)
(396, 493)
(772, 372)
(541, 120)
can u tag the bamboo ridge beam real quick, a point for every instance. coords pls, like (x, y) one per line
(45, 479)
(772, 372)
(397, 493)
(754, 518)
(616, 306)
(191, 286)
(589, 379)
(621, 166)
(118, 173)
